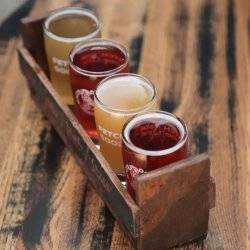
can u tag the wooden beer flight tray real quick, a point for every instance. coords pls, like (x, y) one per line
(172, 203)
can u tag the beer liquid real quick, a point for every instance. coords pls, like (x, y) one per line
(123, 97)
(96, 59)
(154, 136)
(69, 26)
(93, 59)
(72, 26)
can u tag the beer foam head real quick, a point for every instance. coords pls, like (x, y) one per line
(125, 92)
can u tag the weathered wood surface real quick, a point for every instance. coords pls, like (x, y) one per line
(197, 52)
(32, 38)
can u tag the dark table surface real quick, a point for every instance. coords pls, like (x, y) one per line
(197, 53)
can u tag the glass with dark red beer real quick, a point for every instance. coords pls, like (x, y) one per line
(150, 141)
(90, 62)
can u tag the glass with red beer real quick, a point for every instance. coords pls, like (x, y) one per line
(90, 62)
(150, 141)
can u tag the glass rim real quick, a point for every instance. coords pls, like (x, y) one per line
(125, 111)
(67, 11)
(98, 42)
(173, 119)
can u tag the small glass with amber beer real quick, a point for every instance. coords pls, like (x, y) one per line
(63, 29)
(117, 98)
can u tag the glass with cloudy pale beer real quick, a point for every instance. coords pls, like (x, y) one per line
(63, 29)
(117, 98)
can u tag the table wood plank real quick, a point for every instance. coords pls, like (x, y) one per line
(198, 55)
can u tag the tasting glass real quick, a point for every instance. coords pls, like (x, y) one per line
(89, 63)
(150, 141)
(63, 29)
(110, 117)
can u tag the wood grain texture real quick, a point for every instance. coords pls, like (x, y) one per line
(197, 52)
(174, 203)
(32, 35)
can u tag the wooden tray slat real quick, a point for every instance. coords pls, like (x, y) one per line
(32, 36)
(174, 201)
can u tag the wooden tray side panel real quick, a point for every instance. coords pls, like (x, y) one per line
(32, 36)
(174, 203)
(84, 150)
